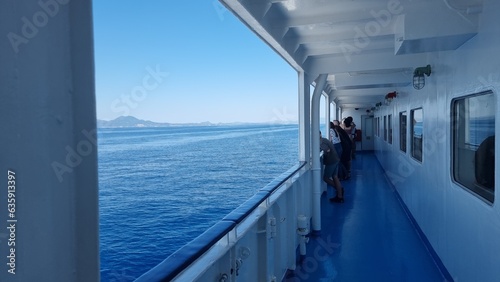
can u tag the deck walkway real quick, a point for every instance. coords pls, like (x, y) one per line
(367, 238)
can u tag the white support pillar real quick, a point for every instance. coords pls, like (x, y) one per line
(304, 118)
(315, 142)
(48, 142)
(304, 102)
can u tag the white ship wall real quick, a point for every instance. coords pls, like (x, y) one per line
(48, 142)
(463, 229)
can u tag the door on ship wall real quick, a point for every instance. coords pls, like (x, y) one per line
(367, 143)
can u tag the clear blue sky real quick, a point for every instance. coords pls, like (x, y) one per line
(207, 65)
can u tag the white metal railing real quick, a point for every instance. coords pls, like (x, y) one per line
(256, 242)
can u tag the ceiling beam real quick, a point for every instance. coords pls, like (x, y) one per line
(363, 92)
(344, 80)
(350, 61)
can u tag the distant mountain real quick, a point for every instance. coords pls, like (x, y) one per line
(130, 121)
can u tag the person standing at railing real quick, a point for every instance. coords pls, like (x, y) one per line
(350, 128)
(345, 157)
(331, 161)
(353, 138)
(335, 138)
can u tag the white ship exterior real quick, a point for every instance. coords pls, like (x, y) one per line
(420, 79)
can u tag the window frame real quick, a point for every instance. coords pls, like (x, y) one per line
(478, 190)
(385, 128)
(403, 134)
(412, 139)
(389, 128)
(378, 127)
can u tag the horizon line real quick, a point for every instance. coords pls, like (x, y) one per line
(199, 122)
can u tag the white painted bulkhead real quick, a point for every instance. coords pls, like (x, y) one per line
(47, 95)
(462, 228)
(48, 142)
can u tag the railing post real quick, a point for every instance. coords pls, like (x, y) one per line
(315, 142)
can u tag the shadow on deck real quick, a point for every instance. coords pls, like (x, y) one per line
(369, 237)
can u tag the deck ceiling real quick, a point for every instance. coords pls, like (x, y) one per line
(368, 48)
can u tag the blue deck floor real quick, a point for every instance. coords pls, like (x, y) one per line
(367, 238)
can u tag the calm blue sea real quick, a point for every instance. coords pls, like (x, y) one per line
(159, 188)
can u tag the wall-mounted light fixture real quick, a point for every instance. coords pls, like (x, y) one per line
(419, 76)
(390, 96)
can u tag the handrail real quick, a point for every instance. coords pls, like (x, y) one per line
(248, 206)
(173, 265)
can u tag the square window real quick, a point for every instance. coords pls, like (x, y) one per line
(417, 136)
(378, 127)
(402, 131)
(385, 128)
(473, 140)
(389, 129)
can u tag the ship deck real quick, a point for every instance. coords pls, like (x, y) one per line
(369, 237)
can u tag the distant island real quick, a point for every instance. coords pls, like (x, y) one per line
(130, 121)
